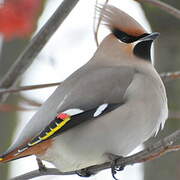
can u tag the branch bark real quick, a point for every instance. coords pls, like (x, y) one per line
(35, 46)
(169, 76)
(166, 7)
(174, 115)
(96, 28)
(25, 88)
(153, 151)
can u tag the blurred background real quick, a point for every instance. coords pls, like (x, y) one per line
(72, 46)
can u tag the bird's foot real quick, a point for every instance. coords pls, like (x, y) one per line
(84, 173)
(42, 167)
(114, 167)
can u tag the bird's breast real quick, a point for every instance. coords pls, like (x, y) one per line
(147, 98)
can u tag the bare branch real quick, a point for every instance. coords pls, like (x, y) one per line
(94, 25)
(96, 29)
(169, 76)
(25, 88)
(11, 108)
(30, 101)
(174, 115)
(153, 151)
(37, 43)
(37, 173)
(162, 5)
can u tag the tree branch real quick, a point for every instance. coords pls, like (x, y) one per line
(37, 173)
(96, 28)
(169, 76)
(25, 88)
(29, 101)
(151, 152)
(174, 115)
(166, 7)
(35, 46)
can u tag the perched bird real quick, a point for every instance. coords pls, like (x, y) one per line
(110, 105)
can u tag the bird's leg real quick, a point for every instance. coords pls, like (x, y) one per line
(41, 166)
(114, 167)
(84, 173)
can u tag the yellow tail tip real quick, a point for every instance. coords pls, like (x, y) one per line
(1, 159)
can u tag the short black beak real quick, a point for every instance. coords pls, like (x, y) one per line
(150, 37)
(143, 47)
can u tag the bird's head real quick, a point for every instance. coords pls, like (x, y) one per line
(129, 32)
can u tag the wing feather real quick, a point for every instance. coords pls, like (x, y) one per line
(60, 125)
(86, 91)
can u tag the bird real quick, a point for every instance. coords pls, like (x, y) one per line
(110, 105)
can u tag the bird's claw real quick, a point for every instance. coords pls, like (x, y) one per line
(84, 173)
(114, 167)
(42, 167)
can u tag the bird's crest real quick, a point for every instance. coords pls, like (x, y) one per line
(123, 26)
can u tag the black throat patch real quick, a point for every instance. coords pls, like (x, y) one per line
(143, 50)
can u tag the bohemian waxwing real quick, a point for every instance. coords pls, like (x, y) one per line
(111, 105)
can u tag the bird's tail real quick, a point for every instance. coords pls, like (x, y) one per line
(22, 151)
(9, 156)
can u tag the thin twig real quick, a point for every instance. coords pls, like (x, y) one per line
(25, 88)
(174, 115)
(153, 151)
(37, 43)
(94, 24)
(169, 76)
(96, 28)
(37, 173)
(29, 101)
(162, 5)
(12, 107)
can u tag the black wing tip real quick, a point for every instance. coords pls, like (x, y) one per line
(10, 156)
